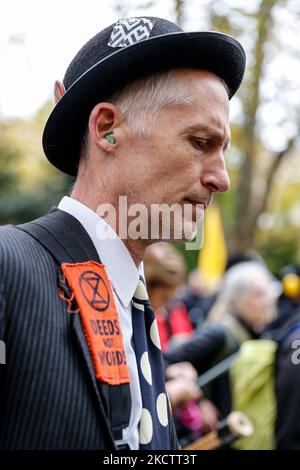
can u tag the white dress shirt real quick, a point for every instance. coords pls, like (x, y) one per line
(124, 276)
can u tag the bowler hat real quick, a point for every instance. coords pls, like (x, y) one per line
(125, 51)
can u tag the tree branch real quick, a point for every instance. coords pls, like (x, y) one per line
(277, 160)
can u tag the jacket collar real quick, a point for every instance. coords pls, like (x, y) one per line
(119, 265)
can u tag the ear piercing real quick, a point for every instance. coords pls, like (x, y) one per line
(110, 138)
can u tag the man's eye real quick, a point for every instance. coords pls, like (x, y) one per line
(199, 143)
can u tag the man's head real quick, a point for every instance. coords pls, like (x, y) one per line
(170, 133)
(122, 53)
(160, 137)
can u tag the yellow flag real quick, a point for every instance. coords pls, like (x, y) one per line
(213, 255)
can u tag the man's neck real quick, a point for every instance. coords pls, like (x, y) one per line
(136, 248)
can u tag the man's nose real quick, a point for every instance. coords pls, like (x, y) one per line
(215, 177)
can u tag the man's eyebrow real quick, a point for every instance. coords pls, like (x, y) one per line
(211, 132)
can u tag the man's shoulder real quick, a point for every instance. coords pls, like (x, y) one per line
(15, 239)
(18, 248)
(10, 237)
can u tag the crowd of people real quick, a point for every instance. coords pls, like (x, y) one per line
(250, 313)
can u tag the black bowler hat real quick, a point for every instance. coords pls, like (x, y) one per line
(123, 52)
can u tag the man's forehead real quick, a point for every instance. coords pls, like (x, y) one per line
(199, 76)
(208, 95)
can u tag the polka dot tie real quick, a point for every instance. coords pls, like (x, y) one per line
(154, 424)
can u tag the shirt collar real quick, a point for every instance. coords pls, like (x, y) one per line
(120, 267)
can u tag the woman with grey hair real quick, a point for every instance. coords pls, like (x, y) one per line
(245, 305)
(247, 300)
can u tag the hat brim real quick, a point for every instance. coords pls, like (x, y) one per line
(212, 51)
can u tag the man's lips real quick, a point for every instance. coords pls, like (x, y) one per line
(203, 203)
(197, 208)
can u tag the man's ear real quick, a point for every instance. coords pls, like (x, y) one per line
(59, 91)
(105, 119)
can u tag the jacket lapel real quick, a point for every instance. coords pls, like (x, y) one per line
(68, 242)
(81, 248)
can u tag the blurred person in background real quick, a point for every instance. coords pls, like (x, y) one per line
(196, 300)
(245, 305)
(285, 331)
(247, 300)
(289, 300)
(165, 273)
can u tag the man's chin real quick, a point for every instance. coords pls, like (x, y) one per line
(187, 233)
(190, 231)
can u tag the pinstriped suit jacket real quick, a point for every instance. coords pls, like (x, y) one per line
(49, 398)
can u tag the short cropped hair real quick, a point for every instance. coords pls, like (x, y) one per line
(142, 99)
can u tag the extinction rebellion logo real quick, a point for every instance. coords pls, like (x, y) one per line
(94, 290)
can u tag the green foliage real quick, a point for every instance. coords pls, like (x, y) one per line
(191, 256)
(28, 205)
(8, 159)
(29, 186)
(278, 252)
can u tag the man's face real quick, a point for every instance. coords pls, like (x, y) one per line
(181, 159)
